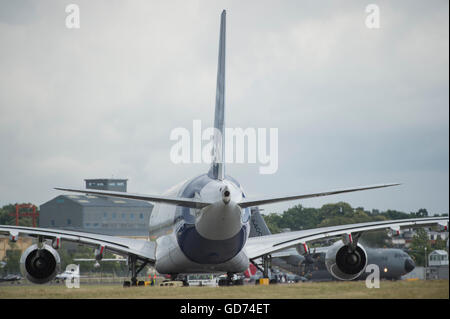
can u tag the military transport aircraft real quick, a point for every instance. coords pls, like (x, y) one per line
(202, 225)
(393, 263)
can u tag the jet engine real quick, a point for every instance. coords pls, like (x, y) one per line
(40, 265)
(345, 262)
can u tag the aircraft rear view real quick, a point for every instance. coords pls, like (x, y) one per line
(202, 225)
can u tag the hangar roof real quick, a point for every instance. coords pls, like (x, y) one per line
(100, 201)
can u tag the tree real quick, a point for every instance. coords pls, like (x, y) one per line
(394, 214)
(273, 220)
(336, 210)
(419, 243)
(375, 239)
(7, 219)
(420, 213)
(439, 244)
(299, 217)
(12, 259)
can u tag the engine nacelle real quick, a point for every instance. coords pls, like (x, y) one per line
(344, 264)
(40, 265)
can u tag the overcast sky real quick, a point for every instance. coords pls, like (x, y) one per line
(353, 106)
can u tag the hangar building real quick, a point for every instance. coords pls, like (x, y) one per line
(99, 214)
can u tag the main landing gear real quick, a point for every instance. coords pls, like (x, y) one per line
(135, 270)
(264, 267)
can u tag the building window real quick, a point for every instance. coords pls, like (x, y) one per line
(52, 222)
(123, 215)
(88, 224)
(105, 215)
(114, 215)
(132, 216)
(69, 222)
(141, 216)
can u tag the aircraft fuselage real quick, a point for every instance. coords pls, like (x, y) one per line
(202, 240)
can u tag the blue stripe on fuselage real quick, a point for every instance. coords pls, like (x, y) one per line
(206, 251)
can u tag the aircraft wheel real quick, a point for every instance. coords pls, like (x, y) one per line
(141, 283)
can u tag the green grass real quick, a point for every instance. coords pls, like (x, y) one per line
(388, 290)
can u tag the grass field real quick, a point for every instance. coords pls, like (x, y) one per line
(388, 290)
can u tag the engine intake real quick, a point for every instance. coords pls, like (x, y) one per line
(344, 263)
(40, 265)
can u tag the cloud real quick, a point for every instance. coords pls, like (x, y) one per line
(353, 105)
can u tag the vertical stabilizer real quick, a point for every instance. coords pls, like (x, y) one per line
(258, 226)
(217, 170)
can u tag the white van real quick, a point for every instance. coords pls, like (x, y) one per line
(202, 280)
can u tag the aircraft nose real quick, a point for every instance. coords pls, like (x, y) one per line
(409, 265)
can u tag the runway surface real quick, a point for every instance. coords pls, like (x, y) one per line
(335, 290)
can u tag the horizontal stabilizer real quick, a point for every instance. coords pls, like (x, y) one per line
(255, 202)
(186, 202)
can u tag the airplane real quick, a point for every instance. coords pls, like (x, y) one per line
(97, 263)
(69, 274)
(393, 263)
(11, 278)
(202, 225)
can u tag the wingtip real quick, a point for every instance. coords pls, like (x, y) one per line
(391, 184)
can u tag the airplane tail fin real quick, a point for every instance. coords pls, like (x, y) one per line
(217, 170)
(258, 226)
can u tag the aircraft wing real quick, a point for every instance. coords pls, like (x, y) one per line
(292, 251)
(142, 249)
(186, 202)
(263, 245)
(261, 201)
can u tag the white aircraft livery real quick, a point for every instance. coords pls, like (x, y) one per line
(203, 225)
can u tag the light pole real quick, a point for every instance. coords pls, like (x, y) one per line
(426, 262)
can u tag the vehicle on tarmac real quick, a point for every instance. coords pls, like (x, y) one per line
(202, 280)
